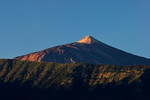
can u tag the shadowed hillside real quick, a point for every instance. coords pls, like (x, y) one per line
(24, 80)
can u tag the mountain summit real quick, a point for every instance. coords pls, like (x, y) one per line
(88, 40)
(87, 50)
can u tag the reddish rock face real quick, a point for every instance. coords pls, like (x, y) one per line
(87, 50)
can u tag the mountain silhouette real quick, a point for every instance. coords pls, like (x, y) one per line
(87, 50)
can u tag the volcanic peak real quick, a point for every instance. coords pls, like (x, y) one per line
(88, 40)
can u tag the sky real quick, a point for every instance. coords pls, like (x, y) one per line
(32, 25)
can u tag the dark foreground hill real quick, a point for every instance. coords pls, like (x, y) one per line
(87, 50)
(24, 80)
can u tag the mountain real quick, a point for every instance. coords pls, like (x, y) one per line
(87, 50)
(25, 80)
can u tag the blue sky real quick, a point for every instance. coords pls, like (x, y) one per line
(32, 25)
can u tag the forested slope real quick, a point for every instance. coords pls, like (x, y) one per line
(24, 80)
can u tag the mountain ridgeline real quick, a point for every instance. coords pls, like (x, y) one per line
(25, 80)
(87, 50)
